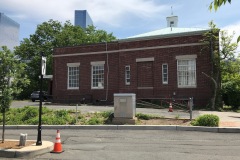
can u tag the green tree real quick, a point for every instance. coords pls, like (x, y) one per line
(230, 69)
(211, 42)
(225, 65)
(47, 36)
(12, 78)
(218, 3)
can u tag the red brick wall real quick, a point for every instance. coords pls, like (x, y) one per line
(118, 61)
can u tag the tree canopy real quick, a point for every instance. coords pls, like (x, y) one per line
(217, 4)
(49, 35)
(12, 79)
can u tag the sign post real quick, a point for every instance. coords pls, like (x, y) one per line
(190, 107)
(43, 72)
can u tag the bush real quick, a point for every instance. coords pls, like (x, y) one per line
(209, 120)
(143, 116)
(231, 94)
(95, 121)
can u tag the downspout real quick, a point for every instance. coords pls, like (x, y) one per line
(107, 72)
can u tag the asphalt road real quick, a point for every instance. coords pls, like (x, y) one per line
(138, 144)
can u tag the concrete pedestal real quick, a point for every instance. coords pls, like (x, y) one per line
(124, 108)
(121, 121)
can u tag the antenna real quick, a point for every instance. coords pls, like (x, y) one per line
(171, 11)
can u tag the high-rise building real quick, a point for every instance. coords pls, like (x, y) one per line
(9, 32)
(82, 18)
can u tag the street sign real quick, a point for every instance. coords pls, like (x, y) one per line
(43, 70)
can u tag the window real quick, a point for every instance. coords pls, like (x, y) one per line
(186, 73)
(73, 75)
(165, 74)
(172, 24)
(98, 75)
(127, 75)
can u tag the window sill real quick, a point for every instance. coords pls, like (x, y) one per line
(97, 88)
(72, 88)
(187, 86)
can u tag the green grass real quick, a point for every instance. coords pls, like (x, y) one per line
(29, 116)
(142, 116)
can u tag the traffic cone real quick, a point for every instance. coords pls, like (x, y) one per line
(170, 107)
(57, 145)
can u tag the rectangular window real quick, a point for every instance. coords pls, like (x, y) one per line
(98, 75)
(73, 75)
(165, 74)
(127, 75)
(186, 73)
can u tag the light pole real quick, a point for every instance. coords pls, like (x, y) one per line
(43, 72)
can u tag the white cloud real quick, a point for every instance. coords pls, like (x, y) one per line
(234, 28)
(107, 12)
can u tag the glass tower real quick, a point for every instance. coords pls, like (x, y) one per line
(82, 18)
(9, 32)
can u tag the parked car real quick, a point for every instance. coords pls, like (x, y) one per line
(36, 95)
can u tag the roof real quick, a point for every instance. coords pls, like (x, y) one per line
(168, 32)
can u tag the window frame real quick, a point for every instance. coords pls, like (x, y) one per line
(163, 81)
(189, 71)
(127, 72)
(73, 65)
(95, 64)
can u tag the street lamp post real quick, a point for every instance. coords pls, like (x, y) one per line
(43, 72)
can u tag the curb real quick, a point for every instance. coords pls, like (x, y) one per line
(27, 152)
(131, 127)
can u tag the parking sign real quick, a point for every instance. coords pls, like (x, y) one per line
(43, 66)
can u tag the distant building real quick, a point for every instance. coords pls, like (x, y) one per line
(82, 18)
(9, 32)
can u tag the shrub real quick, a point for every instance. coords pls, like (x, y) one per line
(231, 94)
(29, 112)
(95, 121)
(106, 114)
(143, 116)
(209, 120)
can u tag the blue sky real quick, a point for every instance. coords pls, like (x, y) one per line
(123, 18)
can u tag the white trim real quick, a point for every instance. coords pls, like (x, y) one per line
(186, 57)
(187, 86)
(145, 59)
(127, 83)
(97, 63)
(128, 50)
(163, 82)
(73, 64)
(195, 86)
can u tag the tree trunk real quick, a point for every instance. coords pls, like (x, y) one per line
(215, 90)
(4, 121)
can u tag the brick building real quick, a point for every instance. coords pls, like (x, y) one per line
(162, 64)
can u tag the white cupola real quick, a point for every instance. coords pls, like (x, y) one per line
(172, 21)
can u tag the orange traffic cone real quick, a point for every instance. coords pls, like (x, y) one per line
(57, 145)
(170, 107)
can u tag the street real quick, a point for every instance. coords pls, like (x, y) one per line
(138, 144)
